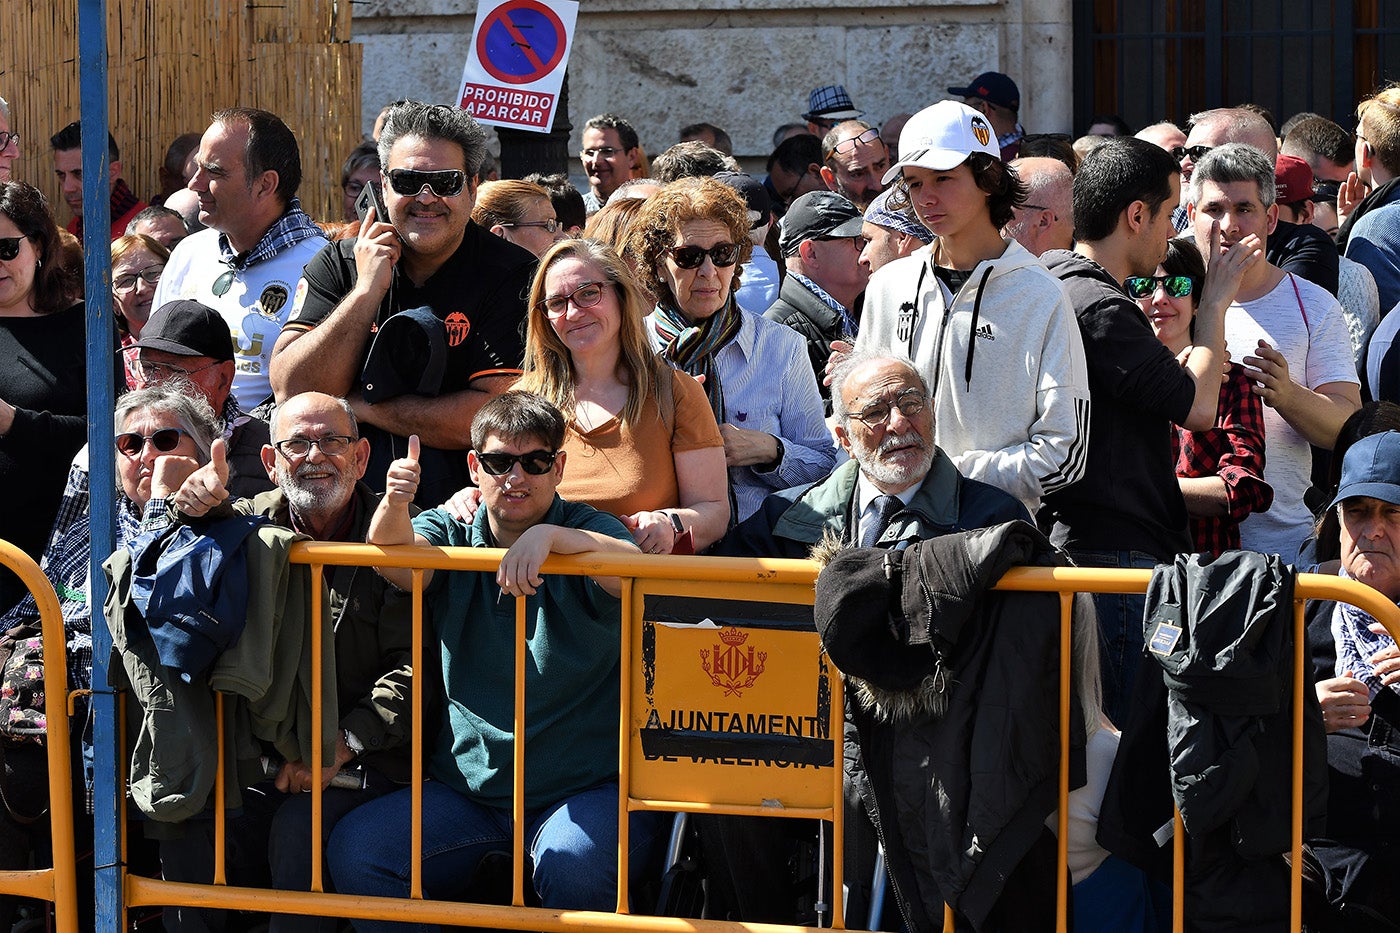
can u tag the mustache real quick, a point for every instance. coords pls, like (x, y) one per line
(907, 439)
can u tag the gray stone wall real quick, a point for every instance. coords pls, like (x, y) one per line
(745, 65)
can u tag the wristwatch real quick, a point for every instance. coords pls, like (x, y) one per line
(776, 461)
(351, 742)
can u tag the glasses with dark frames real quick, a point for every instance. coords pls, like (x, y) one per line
(849, 145)
(722, 255)
(585, 296)
(9, 247)
(150, 275)
(909, 402)
(534, 462)
(130, 443)
(1197, 153)
(553, 226)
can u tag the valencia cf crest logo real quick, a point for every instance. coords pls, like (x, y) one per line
(457, 328)
(272, 300)
(731, 665)
(981, 130)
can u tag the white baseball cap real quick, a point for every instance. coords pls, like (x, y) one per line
(942, 137)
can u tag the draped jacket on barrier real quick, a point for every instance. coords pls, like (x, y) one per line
(957, 709)
(266, 676)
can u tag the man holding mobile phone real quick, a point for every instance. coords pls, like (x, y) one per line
(419, 319)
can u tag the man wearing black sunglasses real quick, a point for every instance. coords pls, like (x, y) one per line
(572, 682)
(464, 286)
(247, 261)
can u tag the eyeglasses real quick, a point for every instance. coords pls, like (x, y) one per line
(553, 226)
(858, 241)
(131, 444)
(585, 296)
(157, 372)
(1145, 286)
(722, 255)
(1195, 152)
(9, 247)
(410, 183)
(602, 152)
(909, 402)
(787, 196)
(6, 139)
(332, 445)
(849, 145)
(150, 275)
(1034, 207)
(534, 462)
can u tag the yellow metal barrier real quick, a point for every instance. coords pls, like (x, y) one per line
(778, 581)
(58, 884)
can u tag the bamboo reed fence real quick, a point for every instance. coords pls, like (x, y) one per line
(171, 63)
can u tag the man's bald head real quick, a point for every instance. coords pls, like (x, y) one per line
(1165, 134)
(1233, 125)
(1046, 220)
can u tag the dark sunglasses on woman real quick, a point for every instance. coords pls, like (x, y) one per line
(1144, 286)
(9, 247)
(692, 257)
(165, 440)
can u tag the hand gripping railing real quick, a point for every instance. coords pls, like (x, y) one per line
(58, 884)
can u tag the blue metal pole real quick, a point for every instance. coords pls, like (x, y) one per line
(107, 796)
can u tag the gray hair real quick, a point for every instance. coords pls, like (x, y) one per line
(180, 398)
(1235, 162)
(433, 121)
(857, 360)
(276, 412)
(1239, 125)
(5, 109)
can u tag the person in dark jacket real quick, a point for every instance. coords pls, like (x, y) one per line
(821, 241)
(897, 487)
(317, 460)
(1356, 667)
(1127, 510)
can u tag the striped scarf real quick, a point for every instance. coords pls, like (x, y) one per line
(692, 347)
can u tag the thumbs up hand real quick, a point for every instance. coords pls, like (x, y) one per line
(401, 480)
(200, 487)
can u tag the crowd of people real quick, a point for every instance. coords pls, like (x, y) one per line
(1130, 347)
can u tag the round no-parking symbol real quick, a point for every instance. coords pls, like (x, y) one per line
(520, 42)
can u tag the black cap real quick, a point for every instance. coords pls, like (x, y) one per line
(755, 196)
(187, 328)
(993, 87)
(818, 215)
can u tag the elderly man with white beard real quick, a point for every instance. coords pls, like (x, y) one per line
(317, 459)
(897, 486)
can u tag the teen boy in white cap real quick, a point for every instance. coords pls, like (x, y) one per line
(989, 327)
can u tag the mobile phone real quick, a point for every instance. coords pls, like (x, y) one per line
(372, 197)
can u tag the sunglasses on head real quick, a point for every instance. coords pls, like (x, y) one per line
(1144, 286)
(534, 462)
(692, 257)
(411, 182)
(9, 247)
(131, 444)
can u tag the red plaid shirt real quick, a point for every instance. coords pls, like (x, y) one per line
(1234, 451)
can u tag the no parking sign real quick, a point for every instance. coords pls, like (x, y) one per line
(516, 63)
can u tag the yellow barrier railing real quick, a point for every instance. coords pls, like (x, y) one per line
(733, 579)
(58, 884)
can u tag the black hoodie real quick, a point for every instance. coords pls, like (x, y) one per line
(1128, 498)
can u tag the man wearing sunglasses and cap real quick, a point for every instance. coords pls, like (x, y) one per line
(246, 263)
(571, 689)
(426, 256)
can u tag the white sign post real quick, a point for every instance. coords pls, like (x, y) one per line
(515, 67)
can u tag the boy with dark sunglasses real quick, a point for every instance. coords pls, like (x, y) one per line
(571, 690)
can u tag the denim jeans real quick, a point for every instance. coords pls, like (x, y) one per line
(1120, 630)
(570, 847)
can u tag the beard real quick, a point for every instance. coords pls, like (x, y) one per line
(309, 499)
(889, 472)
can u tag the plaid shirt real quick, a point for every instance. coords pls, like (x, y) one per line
(66, 564)
(1234, 451)
(290, 229)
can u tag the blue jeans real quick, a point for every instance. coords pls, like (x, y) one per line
(1120, 630)
(571, 848)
